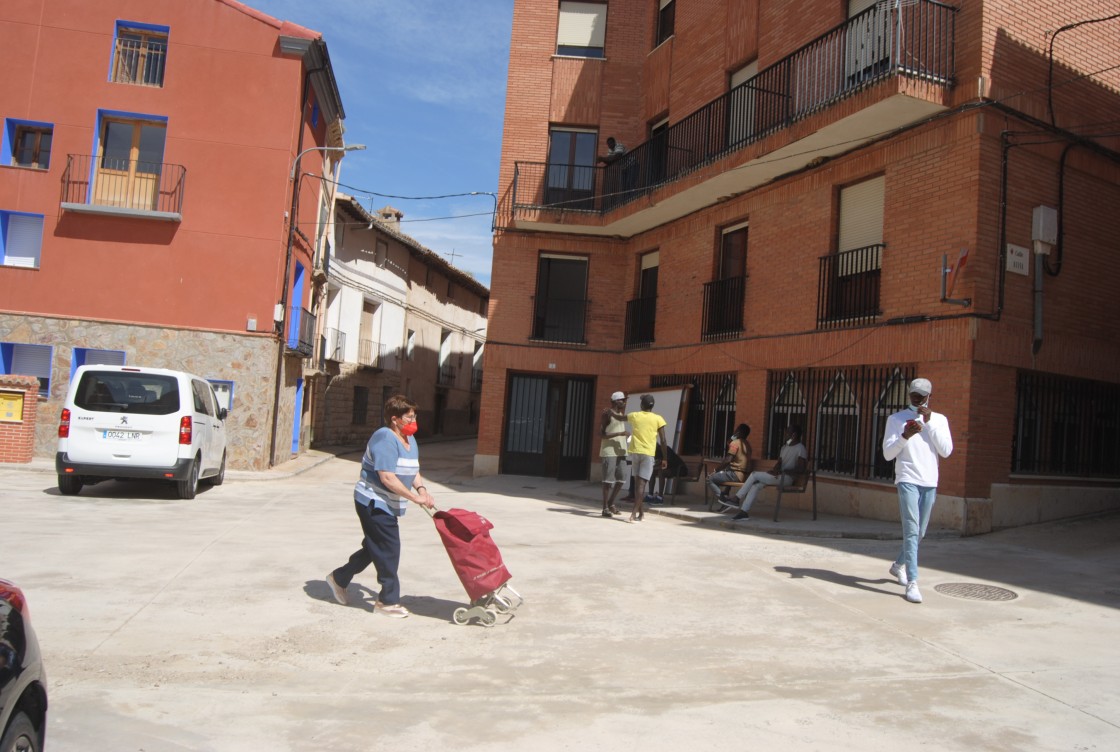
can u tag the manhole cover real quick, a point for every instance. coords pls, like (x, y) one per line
(976, 592)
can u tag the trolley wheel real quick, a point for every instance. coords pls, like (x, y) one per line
(489, 618)
(460, 616)
(501, 605)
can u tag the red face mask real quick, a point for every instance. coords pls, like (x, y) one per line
(408, 429)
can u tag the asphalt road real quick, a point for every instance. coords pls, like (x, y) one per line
(172, 625)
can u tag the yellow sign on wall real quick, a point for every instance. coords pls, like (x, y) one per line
(11, 407)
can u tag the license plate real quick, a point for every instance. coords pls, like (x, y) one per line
(121, 435)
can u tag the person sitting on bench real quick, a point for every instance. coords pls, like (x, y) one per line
(734, 466)
(791, 461)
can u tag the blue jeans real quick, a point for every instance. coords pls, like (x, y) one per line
(717, 479)
(381, 546)
(755, 482)
(914, 506)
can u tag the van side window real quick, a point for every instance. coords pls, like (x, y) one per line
(202, 402)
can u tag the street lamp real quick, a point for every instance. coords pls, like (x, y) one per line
(348, 147)
(284, 284)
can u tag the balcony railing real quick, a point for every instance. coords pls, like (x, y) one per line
(301, 331)
(848, 287)
(108, 185)
(559, 319)
(641, 316)
(723, 308)
(446, 376)
(476, 379)
(332, 346)
(914, 39)
(368, 353)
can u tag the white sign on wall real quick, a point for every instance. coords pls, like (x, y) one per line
(1018, 259)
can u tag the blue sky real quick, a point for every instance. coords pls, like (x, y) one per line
(423, 83)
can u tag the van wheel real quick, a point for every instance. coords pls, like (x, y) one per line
(21, 735)
(215, 480)
(189, 487)
(69, 485)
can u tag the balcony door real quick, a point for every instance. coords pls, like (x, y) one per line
(868, 52)
(724, 296)
(571, 169)
(129, 164)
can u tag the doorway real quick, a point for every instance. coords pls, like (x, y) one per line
(548, 427)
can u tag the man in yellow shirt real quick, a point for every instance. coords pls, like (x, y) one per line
(647, 430)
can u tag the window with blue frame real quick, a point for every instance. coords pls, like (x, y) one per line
(21, 239)
(19, 359)
(86, 356)
(27, 143)
(223, 390)
(139, 54)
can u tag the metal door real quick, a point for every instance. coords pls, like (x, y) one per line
(548, 427)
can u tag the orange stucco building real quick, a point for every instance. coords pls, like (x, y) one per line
(151, 157)
(814, 203)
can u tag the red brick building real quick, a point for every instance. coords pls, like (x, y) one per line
(150, 158)
(819, 201)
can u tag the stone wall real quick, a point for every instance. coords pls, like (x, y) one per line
(246, 359)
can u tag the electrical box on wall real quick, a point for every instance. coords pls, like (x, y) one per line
(1044, 228)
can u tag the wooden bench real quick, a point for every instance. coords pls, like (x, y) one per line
(800, 484)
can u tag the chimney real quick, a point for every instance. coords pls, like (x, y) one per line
(390, 217)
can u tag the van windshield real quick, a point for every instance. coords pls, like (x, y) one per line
(124, 392)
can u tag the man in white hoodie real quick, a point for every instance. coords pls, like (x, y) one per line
(915, 438)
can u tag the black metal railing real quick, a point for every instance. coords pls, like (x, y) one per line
(842, 413)
(914, 39)
(723, 308)
(332, 345)
(641, 317)
(123, 183)
(1066, 426)
(848, 287)
(368, 353)
(476, 379)
(559, 319)
(301, 331)
(446, 375)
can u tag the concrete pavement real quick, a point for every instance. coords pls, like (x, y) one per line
(205, 625)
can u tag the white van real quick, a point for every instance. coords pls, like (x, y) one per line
(128, 422)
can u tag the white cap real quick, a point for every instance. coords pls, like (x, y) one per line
(617, 396)
(921, 386)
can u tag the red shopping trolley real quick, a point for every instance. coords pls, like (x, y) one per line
(478, 562)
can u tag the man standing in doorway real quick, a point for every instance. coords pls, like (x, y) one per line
(647, 431)
(612, 451)
(915, 438)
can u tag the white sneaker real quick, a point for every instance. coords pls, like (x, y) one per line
(899, 571)
(337, 591)
(912, 593)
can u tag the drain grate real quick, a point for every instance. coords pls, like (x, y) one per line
(976, 592)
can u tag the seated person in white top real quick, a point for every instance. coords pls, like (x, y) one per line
(790, 462)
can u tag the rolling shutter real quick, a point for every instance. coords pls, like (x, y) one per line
(861, 214)
(24, 241)
(582, 25)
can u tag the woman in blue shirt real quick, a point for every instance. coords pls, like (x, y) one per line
(390, 479)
